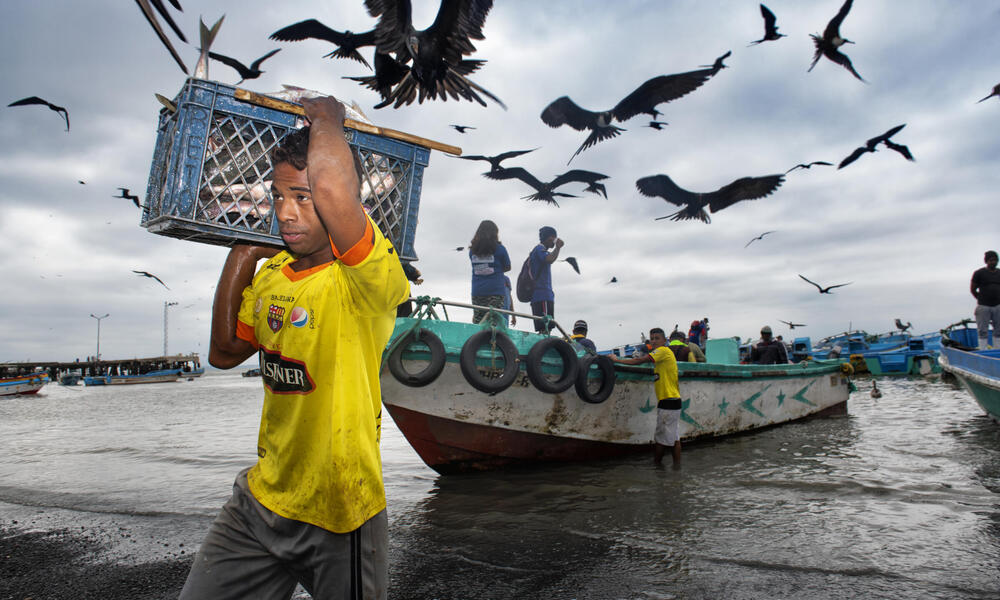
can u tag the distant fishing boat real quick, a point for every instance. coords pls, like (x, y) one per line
(23, 384)
(255, 372)
(896, 354)
(161, 376)
(485, 398)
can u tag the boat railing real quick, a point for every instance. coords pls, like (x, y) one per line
(426, 304)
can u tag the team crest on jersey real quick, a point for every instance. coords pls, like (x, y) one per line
(299, 317)
(275, 317)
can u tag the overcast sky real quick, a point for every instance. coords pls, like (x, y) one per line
(908, 235)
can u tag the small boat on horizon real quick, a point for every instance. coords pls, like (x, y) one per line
(162, 376)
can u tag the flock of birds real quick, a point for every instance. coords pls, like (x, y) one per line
(414, 65)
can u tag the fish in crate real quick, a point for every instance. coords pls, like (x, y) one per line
(210, 177)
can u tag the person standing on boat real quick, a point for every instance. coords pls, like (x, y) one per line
(698, 333)
(985, 288)
(580, 335)
(319, 314)
(768, 350)
(543, 298)
(668, 395)
(684, 351)
(489, 263)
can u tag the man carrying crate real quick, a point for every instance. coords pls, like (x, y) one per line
(312, 509)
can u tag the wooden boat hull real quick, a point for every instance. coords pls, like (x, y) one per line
(455, 428)
(24, 384)
(979, 372)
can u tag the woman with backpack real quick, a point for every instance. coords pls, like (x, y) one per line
(489, 263)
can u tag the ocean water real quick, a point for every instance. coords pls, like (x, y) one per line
(900, 498)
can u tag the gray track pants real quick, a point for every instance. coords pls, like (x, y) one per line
(253, 553)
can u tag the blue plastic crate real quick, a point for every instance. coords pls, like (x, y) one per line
(209, 180)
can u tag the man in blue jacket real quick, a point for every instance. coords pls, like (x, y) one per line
(543, 298)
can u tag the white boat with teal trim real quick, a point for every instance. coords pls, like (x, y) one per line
(472, 397)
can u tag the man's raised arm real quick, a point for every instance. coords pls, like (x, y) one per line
(332, 178)
(226, 350)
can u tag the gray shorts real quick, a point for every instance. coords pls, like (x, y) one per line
(667, 426)
(251, 552)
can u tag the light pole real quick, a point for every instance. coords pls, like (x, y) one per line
(98, 357)
(165, 306)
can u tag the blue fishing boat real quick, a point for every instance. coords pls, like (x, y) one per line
(161, 376)
(978, 371)
(900, 354)
(29, 383)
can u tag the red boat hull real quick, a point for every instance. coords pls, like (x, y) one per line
(451, 446)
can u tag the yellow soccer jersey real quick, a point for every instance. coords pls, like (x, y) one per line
(320, 335)
(665, 367)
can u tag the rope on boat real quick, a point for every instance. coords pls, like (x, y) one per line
(425, 308)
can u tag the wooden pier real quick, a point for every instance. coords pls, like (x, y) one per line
(189, 364)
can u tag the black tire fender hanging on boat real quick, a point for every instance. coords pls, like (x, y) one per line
(507, 349)
(428, 373)
(607, 369)
(570, 365)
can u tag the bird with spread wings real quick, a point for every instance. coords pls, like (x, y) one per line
(694, 204)
(870, 146)
(643, 100)
(545, 191)
(829, 43)
(36, 100)
(412, 64)
(251, 72)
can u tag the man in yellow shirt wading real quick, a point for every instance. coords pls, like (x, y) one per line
(668, 407)
(312, 509)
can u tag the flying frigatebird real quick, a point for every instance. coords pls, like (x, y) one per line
(643, 100)
(572, 262)
(546, 191)
(870, 146)
(808, 165)
(148, 274)
(496, 160)
(251, 72)
(147, 11)
(126, 195)
(657, 125)
(347, 42)
(829, 43)
(427, 63)
(36, 100)
(461, 128)
(826, 290)
(792, 325)
(746, 188)
(770, 27)
(759, 237)
(901, 327)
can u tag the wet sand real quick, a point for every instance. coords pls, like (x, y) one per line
(54, 554)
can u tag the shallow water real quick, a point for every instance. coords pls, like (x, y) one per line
(898, 498)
